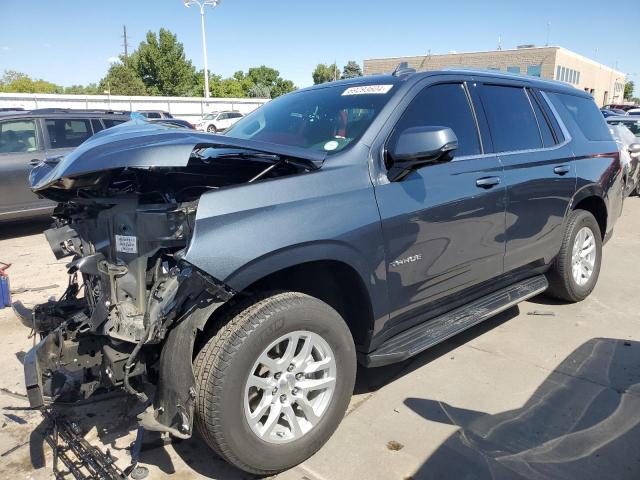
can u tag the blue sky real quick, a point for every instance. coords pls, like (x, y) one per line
(70, 41)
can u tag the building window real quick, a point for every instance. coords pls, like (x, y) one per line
(534, 70)
(578, 78)
(558, 72)
(513, 70)
(563, 74)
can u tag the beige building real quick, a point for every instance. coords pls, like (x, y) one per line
(605, 84)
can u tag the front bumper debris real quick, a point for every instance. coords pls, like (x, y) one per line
(77, 456)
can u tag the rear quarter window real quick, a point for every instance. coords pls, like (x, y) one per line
(586, 115)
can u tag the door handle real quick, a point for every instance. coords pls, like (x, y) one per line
(487, 182)
(561, 170)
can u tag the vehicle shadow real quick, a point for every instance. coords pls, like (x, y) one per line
(582, 422)
(23, 228)
(371, 379)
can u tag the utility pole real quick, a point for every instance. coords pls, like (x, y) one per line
(125, 44)
(548, 33)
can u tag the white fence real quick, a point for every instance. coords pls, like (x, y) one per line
(187, 108)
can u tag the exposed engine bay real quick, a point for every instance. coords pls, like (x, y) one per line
(133, 306)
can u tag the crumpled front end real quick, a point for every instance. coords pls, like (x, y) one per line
(129, 289)
(125, 219)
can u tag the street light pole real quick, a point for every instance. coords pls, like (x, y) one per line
(201, 4)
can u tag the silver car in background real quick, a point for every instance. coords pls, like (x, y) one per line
(28, 138)
(629, 147)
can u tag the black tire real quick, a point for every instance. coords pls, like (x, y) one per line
(212, 129)
(562, 284)
(222, 366)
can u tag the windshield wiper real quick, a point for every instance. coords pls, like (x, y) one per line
(260, 155)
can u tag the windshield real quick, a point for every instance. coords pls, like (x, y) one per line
(209, 116)
(326, 119)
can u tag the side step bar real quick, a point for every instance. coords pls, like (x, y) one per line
(427, 334)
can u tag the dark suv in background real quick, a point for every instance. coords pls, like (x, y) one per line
(28, 138)
(240, 277)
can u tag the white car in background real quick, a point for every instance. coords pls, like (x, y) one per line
(218, 121)
(629, 156)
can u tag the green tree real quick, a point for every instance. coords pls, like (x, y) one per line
(162, 65)
(260, 91)
(91, 89)
(121, 79)
(18, 82)
(325, 73)
(628, 90)
(351, 70)
(282, 87)
(245, 81)
(228, 87)
(270, 78)
(263, 75)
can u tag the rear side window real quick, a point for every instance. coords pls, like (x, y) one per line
(18, 136)
(66, 133)
(108, 123)
(586, 115)
(511, 120)
(444, 105)
(97, 126)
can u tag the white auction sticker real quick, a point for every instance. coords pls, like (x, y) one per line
(126, 244)
(367, 90)
(331, 145)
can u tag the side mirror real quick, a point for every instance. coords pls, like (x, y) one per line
(417, 147)
(634, 149)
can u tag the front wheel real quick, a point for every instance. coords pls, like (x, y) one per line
(274, 382)
(575, 271)
(211, 129)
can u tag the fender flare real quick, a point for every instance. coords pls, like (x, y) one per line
(590, 190)
(293, 255)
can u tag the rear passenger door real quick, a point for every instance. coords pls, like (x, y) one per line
(539, 173)
(65, 134)
(223, 121)
(20, 149)
(443, 224)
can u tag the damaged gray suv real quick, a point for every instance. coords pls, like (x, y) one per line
(231, 283)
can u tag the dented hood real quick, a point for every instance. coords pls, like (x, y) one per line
(138, 144)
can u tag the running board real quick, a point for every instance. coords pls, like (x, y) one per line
(427, 334)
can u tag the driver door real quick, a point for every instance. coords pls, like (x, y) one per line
(443, 224)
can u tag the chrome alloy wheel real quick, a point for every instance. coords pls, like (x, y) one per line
(583, 256)
(290, 387)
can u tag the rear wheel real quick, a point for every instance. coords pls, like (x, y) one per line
(269, 390)
(575, 271)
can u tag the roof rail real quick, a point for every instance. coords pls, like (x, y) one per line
(80, 110)
(403, 69)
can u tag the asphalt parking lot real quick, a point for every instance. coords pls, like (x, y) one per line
(545, 390)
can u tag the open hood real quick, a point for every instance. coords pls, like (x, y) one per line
(137, 144)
